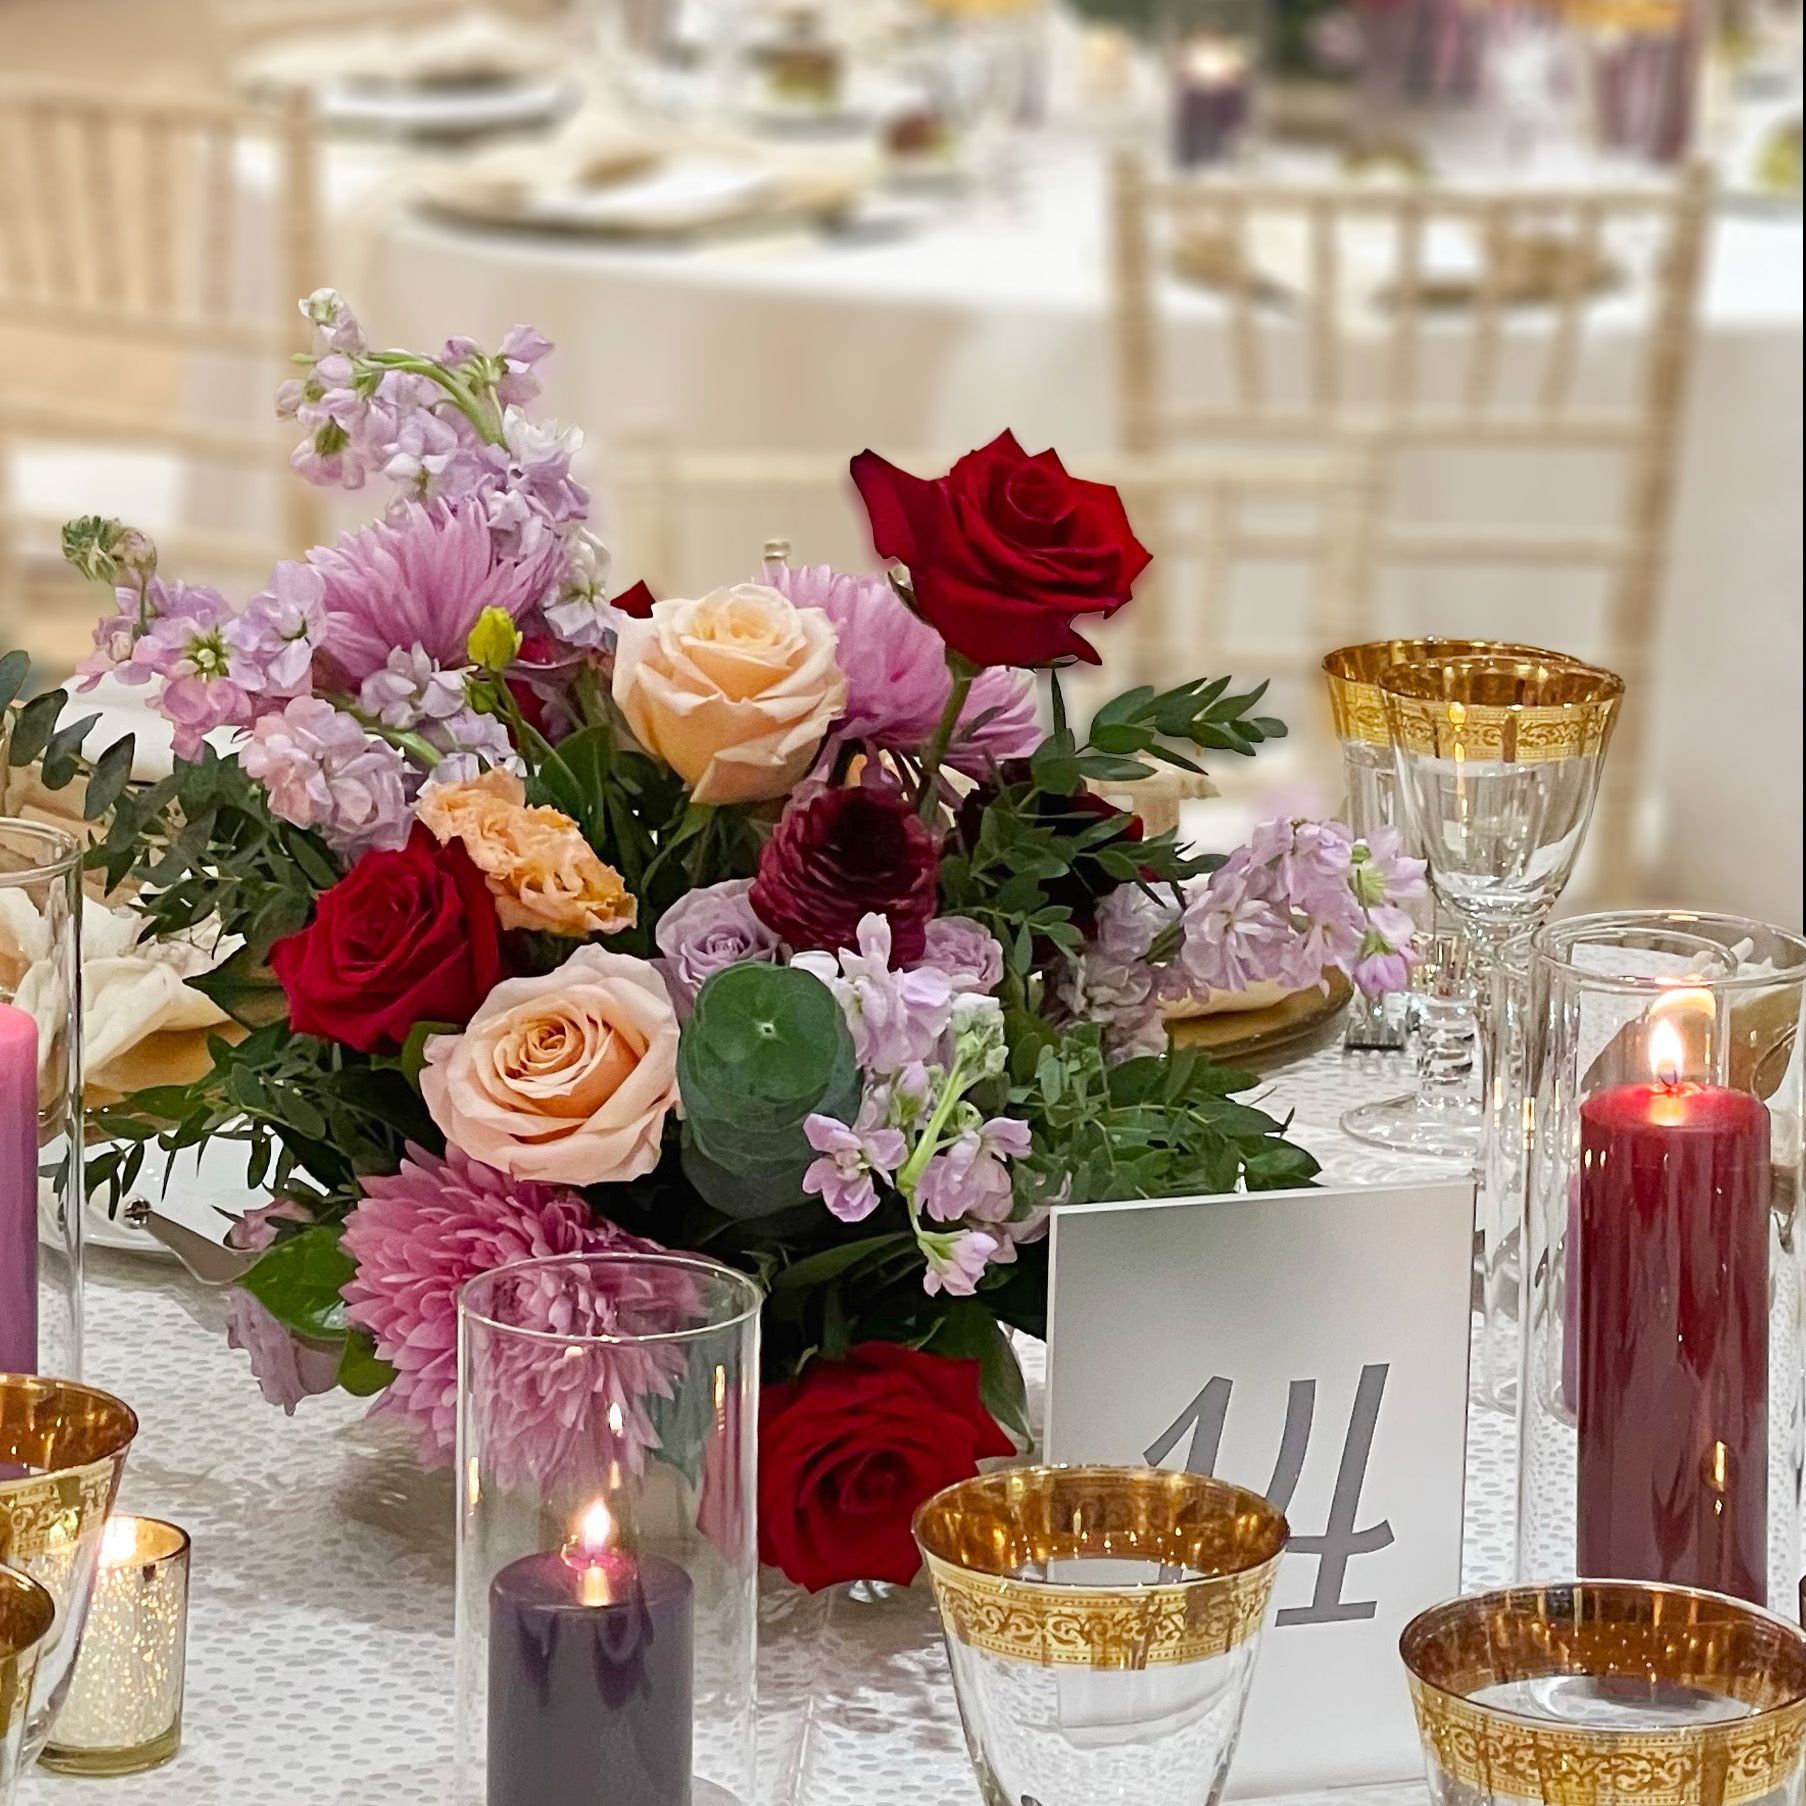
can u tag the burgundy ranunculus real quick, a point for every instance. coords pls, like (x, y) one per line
(1005, 550)
(842, 854)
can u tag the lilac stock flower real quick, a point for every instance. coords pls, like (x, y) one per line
(967, 953)
(705, 932)
(957, 1261)
(421, 578)
(281, 629)
(581, 616)
(321, 770)
(255, 1229)
(1235, 936)
(896, 1017)
(897, 678)
(117, 636)
(852, 1159)
(411, 689)
(206, 680)
(1124, 997)
(335, 327)
(1128, 920)
(539, 466)
(968, 1179)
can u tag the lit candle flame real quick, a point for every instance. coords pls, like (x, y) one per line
(588, 1551)
(595, 1532)
(1667, 1053)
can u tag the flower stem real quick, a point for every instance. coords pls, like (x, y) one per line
(964, 671)
(469, 404)
(928, 1143)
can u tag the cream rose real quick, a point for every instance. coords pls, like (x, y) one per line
(734, 692)
(566, 1077)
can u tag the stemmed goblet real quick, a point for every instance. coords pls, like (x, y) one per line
(1437, 1116)
(1497, 760)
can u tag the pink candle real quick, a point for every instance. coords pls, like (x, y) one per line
(18, 1191)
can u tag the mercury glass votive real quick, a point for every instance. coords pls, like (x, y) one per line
(26, 1615)
(1101, 1625)
(123, 1710)
(62, 1450)
(1608, 1693)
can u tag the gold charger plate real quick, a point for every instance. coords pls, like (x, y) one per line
(1283, 1027)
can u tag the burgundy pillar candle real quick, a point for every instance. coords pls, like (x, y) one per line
(1673, 1322)
(1212, 102)
(18, 1191)
(590, 1677)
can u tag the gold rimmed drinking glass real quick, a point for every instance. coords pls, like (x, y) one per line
(1102, 1625)
(1608, 1693)
(26, 1615)
(1440, 1110)
(62, 1450)
(1498, 759)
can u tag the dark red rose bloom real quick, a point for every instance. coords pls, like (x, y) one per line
(842, 854)
(1004, 550)
(850, 1450)
(530, 686)
(402, 938)
(636, 601)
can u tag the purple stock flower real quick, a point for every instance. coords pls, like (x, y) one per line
(706, 931)
(851, 1160)
(206, 680)
(957, 1262)
(897, 677)
(1128, 919)
(117, 636)
(1124, 997)
(1234, 936)
(896, 1017)
(281, 629)
(968, 954)
(968, 1179)
(421, 578)
(321, 770)
(411, 689)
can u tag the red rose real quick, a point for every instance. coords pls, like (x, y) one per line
(636, 600)
(1004, 550)
(851, 1449)
(402, 938)
(842, 854)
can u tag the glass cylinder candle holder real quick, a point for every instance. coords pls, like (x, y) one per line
(62, 1450)
(26, 1615)
(1607, 1693)
(1661, 1413)
(1102, 1625)
(123, 1711)
(607, 1541)
(40, 1100)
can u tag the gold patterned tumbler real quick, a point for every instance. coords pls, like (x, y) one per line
(1608, 1693)
(26, 1615)
(1101, 1625)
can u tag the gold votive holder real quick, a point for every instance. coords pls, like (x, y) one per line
(1102, 1625)
(62, 1450)
(123, 1711)
(1608, 1693)
(26, 1614)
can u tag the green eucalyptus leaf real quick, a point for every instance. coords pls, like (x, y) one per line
(362, 1372)
(15, 667)
(34, 725)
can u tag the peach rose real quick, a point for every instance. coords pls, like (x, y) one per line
(540, 870)
(735, 692)
(566, 1077)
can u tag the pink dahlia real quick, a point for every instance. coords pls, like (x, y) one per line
(417, 1236)
(421, 578)
(897, 677)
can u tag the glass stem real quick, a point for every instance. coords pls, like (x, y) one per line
(1446, 1051)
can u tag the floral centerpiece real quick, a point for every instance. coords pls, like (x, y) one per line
(772, 924)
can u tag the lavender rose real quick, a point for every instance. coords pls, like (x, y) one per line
(705, 932)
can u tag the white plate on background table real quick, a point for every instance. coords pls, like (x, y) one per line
(202, 1189)
(444, 112)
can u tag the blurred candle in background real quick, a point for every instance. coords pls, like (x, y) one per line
(1213, 100)
(18, 1191)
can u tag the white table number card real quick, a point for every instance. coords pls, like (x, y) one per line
(1311, 1345)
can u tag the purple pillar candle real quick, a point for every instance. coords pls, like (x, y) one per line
(1212, 102)
(18, 1191)
(590, 1677)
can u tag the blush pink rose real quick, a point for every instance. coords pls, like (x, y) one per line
(566, 1077)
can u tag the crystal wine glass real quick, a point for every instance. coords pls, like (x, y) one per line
(1497, 759)
(1419, 1120)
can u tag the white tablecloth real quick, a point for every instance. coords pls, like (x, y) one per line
(320, 1661)
(995, 315)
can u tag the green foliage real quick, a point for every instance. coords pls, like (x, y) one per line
(298, 1281)
(764, 1047)
(968, 1331)
(35, 733)
(1148, 1128)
